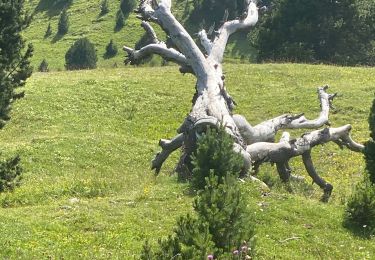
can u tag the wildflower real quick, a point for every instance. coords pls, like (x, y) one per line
(210, 257)
(236, 252)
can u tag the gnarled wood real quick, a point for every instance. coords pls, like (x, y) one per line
(212, 105)
(266, 131)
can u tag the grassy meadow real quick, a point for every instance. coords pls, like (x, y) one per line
(86, 139)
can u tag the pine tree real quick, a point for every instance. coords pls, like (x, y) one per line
(48, 31)
(360, 211)
(212, 156)
(111, 49)
(81, 55)
(63, 25)
(370, 145)
(15, 69)
(223, 227)
(14, 62)
(104, 9)
(120, 20)
(127, 6)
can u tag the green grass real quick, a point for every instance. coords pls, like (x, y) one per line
(86, 139)
(85, 22)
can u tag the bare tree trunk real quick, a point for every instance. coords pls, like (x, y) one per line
(212, 105)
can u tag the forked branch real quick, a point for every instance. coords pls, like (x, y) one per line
(249, 18)
(266, 131)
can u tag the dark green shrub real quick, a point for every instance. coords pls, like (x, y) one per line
(317, 31)
(43, 67)
(212, 156)
(63, 25)
(111, 49)
(10, 174)
(120, 20)
(370, 145)
(127, 6)
(81, 55)
(14, 57)
(104, 9)
(360, 211)
(222, 221)
(48, 31)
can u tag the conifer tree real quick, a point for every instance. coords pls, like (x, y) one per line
(111, 49)
(360, 211)
(15, 69)
(14, 61)
(127, 6)
(223, 226)
(120, 20)
(370, 145)
(81, 55)
(104, 7)
(63, 25)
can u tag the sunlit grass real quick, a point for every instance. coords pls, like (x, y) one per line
(86, 139)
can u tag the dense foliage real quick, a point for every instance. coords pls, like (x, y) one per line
(10, 173)
(360, 210)
(15, 69)
(127, 6)
(14, 61)
(213, 11)
(63, 25)
(81, 55)
(212, 156)
(104, 8)
(120, 20)
(111, 49)
(370, 145)
(318, 31)
(222, 225)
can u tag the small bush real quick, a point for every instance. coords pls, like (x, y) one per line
(120, 20)
(63, 25)
(43, 67)
(81, 55)
(104, 9)
(127, 6)
(10, 174)
(212, 156)
(360, 211)
(48, 31)
(111, 49)
(223, 227)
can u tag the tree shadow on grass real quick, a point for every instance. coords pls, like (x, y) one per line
(52, 7)
(57, 37)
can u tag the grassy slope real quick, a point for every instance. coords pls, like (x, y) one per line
(85, 22)
(91, 135)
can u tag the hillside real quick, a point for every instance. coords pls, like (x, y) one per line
(85, 21)
(86, 139)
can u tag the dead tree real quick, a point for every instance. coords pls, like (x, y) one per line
(213, 106)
